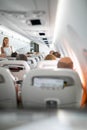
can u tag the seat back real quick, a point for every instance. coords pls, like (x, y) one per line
(47, 64)
(60, 87)
(7, 89)
(32, 62)
(11, 58)
(1, 59)
(17, 67)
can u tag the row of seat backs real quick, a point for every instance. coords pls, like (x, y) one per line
(38, 88)
(19, 68)
(32, 61)
(41, 86)
(45, 64)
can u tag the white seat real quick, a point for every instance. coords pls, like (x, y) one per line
(11, 58)
(32, 62)
(40, 57)
(1, 59)
(17, 67)
(47, 86)
(37, 59)
(7, 89)
(47, 64)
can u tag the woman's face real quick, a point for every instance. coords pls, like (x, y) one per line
(6, 41)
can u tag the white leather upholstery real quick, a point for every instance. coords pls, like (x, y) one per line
(13, 65)
(1, 59)
(11, 58)
(7, 89)
(32, 62)
(37, 95)
(47, 64)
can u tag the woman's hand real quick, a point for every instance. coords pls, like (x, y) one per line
(3, 55)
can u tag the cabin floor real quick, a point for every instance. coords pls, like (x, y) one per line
(38, 119)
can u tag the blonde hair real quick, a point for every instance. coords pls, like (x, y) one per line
(3, 44)
(50, 57)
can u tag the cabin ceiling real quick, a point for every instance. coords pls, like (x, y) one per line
(34, 19)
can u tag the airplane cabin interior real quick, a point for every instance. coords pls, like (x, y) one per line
(43, 64)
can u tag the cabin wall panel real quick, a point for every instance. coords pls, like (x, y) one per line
(72, 29)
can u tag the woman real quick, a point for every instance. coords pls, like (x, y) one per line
(6, 49)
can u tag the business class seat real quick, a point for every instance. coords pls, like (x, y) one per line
(40, 57)
(1, 59)
(47, 64)
(7, 89)
(49, 88)
(17, 67)
(32, 62)
(11, 58)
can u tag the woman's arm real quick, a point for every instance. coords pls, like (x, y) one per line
(2, 50)
(2, 53)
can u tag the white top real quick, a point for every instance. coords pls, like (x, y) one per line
(7, 51)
